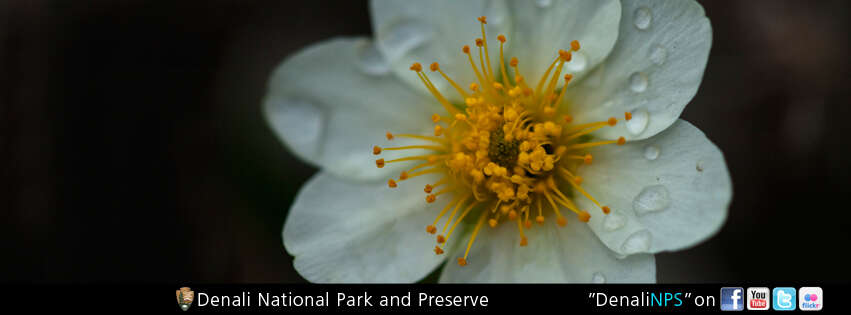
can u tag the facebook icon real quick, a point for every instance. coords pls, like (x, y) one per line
(731, 299)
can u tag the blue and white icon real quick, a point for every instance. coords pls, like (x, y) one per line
(783, 299)
(732, 299)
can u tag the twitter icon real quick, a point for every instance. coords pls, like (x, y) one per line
(783, 299)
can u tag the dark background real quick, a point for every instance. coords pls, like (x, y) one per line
(132, 146)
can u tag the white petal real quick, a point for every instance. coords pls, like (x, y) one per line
(653, 71)
(344, 232)
(541, 30)
(572, 254)
(331, 102)
(435, 31)
(666, 193)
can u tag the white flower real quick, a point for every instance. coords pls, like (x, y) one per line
(607, 149)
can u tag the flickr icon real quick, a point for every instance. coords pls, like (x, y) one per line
(810, 299)
(758, 299)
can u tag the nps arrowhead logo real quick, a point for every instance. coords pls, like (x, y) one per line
(184, 298)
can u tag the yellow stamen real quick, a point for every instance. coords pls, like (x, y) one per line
(463, 261)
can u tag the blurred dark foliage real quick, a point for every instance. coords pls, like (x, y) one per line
(132, 146)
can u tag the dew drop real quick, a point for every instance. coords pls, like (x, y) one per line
(495, 11)
(370, 60)
(638, 82)
(642, 18)
(577, 63)
(651, 199)
(403, 36)
(658, 54)
(614, 221)
(639, 121)
(598, 277)
(699, 166)
(637, 242)
(543, 3)
(651, 152)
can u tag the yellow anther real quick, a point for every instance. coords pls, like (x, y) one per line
(588, 159)
(402, 176)
(621, 141)
(431, 229)
(627, 115)
(417, 67)
(483, 19)
(584, 216)
(376, 150)
(565, 55)
(492, 223)
(438, 130)
(438, 250)
(561, 221)
(379, 163)
(567, 78)
(466, 49)
(497, 86)
(514, 62)
(519, 79)
(612, 121)
(434, 67)
(501, 38)
(549, 110)
(504, 209)
(474, 87)
(460, 117)
(574, 45)
(480, 42)
(389, 136)
(430, 198)
(606, 209)
(512, 215)
(524, 241)
(462, 261)
(435, 118)
(568, 119)
(539, 219)
(391, 183)
(441, 239)
(528, 224)
(428, 188)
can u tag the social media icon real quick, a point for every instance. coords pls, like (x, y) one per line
(732, 299)
(758, 299)
(810, 299)
(783, 299)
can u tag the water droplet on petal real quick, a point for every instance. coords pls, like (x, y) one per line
(638, 82)
(614, 221)
(637, 242)
(577, 63)
(543, 3)
(651, 199)
(403, 36)
(598, 277)
(495, 11)
(642, 18)
(699, 166)
(658, 54)
(370, 60)
(651, 152)
(639, 121)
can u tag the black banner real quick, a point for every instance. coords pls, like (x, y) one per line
(431, 298)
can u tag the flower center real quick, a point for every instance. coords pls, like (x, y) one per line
(509, 153)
